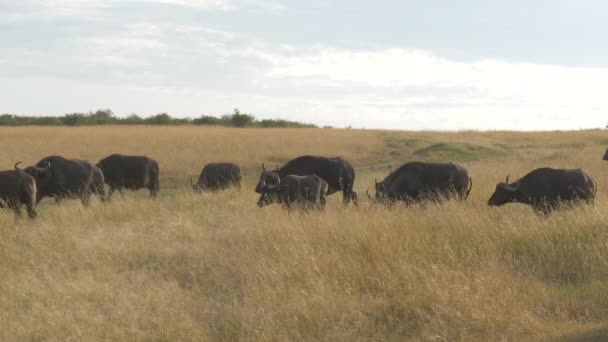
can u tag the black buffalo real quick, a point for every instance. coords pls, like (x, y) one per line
(545, 188)
(337, 172)
(299, 191)
(17, 188)
(605, 156)
(218, 176)
(67, 178)
(131, 173)
(416, 181)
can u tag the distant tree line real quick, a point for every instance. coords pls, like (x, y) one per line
(107, 117)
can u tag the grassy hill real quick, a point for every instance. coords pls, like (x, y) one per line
(216, 267)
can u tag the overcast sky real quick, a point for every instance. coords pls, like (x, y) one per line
(468, 64)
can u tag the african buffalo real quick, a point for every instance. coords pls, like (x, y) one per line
(605, 156)
(16, 189)
(337, 172)
(293, 190)
(67, 178)
(131, 173)
(416, 181)
(545, 188)
(218, 176)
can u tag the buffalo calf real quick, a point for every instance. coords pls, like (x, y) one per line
(293, 190)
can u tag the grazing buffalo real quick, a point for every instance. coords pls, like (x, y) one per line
(293, 190)
(545, 188)
(218, 176)
(67, 178)
(416, 181)
(337, 172)
(16, 189)
(131, 173)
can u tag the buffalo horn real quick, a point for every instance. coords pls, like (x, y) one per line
(509, 187)
(17, 166)
(43, 169)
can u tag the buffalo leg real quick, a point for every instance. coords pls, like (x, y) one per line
(102, 194)
(99, 190)
(109, 194)
(17, 211)
(154, 189)
(347, 196)
(353, 197)
(31, 210)
(321, 203)
(85, 199)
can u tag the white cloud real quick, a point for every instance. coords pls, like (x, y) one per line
(186, 68)
(420, 82)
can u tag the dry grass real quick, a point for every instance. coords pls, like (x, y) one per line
(216, 267)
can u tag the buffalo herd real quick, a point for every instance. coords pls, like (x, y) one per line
(303, 182)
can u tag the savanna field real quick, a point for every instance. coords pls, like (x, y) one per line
(216, 267)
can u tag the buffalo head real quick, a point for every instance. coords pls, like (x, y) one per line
(268, 198)
(196, 187)
(605, 156)
(38, 172)
(504, 193)
(269, 181)
(381, 190)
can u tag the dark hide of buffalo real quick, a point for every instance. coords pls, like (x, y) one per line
(418, 181)
(131, 173)
(218, 176)
(296, 191)
(18, 188)
(67, 178)
(337, 172)
(546, 188)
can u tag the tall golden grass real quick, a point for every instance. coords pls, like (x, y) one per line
(216, 267)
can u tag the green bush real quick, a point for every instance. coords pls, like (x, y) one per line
(107, 117)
